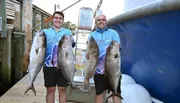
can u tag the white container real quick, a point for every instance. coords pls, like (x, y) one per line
(81, 97)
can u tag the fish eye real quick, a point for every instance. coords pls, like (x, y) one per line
(116, 56)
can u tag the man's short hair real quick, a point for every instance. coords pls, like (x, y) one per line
(58, 12)
(100, 15)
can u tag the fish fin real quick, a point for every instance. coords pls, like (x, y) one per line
(108, 91)
(86, 84)
(74, 87)
(114, 94)
(31, 88)
(77, 88)
(70, 90)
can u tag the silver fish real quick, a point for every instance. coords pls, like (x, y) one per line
(66, 61)
(112, 67)
(92, 54)
(37, 55)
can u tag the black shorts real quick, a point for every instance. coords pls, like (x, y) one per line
(53, 77)
(102, 84)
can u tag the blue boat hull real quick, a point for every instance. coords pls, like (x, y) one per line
(151, 53)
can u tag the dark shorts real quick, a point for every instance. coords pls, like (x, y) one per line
(53, 77)
(102, 84)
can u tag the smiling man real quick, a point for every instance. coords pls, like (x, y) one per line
(103, 37)
(53, 77)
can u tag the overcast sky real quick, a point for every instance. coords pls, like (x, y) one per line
(110, 8)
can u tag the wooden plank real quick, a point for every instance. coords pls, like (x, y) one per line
(42, 20)
(41, 10)
(0, 60)
(18, 47)
(1, 50)
(3, 15)
(13, 1)
(10, 10)
(17, 22)
(38, 21)
(0, 55)
(10, 14)
(6, 60)
(16, 93)
(9, 5)
(27, 26)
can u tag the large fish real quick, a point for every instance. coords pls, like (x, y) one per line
(37, 55)
(66, 61)
(92, 54)
(112, 67)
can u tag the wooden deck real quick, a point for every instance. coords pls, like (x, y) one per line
(16, 93)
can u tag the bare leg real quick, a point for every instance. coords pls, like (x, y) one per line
(99, 98)
(116, 99)
(50, 96)
(62, 94)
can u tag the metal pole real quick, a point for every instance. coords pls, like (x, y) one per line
(54, 7)
(76, 42)
(3, 33)
(58, 7)
(71, 5)
(98, 6)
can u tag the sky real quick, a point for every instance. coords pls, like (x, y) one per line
(110, 8)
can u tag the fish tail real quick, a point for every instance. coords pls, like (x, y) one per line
(73, 87)
(86, 84)
(76, 88)
(31, 88)
(70, 90)
(114, 94)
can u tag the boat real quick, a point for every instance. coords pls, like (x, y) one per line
(150, 50)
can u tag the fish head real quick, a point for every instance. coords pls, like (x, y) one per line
(92, 40)
(93, 45)
(69, 38)
(65, 41)
(40, 37)
(114, 45)
(113, 48)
